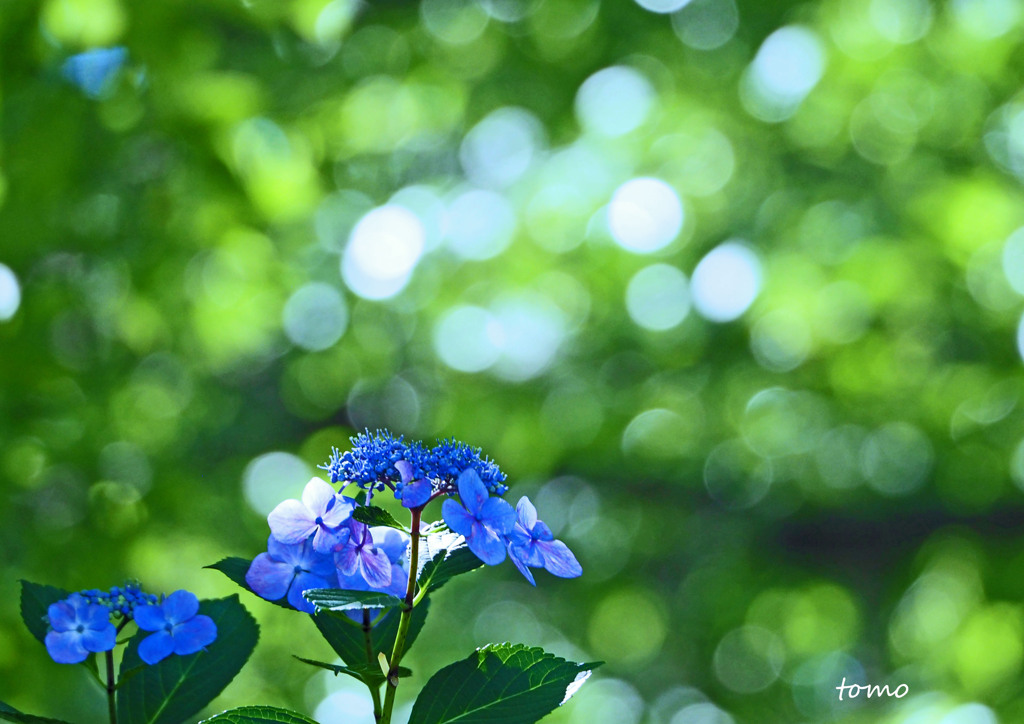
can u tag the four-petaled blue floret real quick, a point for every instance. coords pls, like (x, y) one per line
(178, 628)
(78, 628)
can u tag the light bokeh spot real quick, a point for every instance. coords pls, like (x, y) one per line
(10, 293)
(468, 339)
(382, 252)
(479, 224)
(645, 215)
(658, 297)
(614, 101)
(501, 148)
(315, 316)
(726, 282)
(786, 68)
(706, 24)
(273, 477)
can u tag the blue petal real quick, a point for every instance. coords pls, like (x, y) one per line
(150, 618)
(513, 555)
(291, 522)
(62, 616)
(498, 515)
(457, 518)
(97, 640)
(191, 636)
(92, 70)
(526, 513)
(472, 490)
(65, 647)
(559, 560)
(416, 493)
(180, 606)
(375, 567)
(267, 578)
(156, 647)
(486, 544)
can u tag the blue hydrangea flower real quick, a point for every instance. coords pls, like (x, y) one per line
(484, 521)
(93, 71)
(412, 492)
(449, 458)
(320, 513)
(531, 543)
(358, 556)
(288, 570)
(179, 628)
(371, 461)
(120, 601)
(78, 628)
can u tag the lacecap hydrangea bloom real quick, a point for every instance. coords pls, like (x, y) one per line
(316, 542)
(83, 623)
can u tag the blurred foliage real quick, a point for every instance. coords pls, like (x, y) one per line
(732, 290)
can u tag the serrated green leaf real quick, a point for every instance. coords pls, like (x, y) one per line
(179, 686)
(259, 715)
(337, 599)
(499, 684)
(365, 673)
(372, 516)
(9, 713)
(35, 599)
(446, 564)
(347, 639)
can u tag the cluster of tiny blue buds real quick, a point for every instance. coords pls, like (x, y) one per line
(121, 600)
(370, 463)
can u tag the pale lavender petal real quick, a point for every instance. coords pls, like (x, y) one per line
(526, 513)
(513, 554)
(559, 560)
(488, 545)
(180, 606)
(291, 521)
(97, 640)
(268, 578)
(338, 512)
(151, 618)
(156, 647)
(347, 559)
(457, 518)
(193, 635)
(327, 539)
(498, 515)
(472, 490)
(375, 567)
(317, 495)
(65, 647)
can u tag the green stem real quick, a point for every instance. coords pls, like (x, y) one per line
(111, 686)
(368, 637)
(403, 624)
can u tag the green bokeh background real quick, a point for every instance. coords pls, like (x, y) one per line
(827, 486)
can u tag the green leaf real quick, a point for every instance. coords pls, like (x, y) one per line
(9, 713)
(365, 673)
(347, 639)
(371, 515)
(499, 684)
(35, 599)
(259, 715)
(452, 560)
(336, 599)
(179, 686)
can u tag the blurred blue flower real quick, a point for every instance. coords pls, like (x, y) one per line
(78, 628)
(484, 521)
(93, 71)
(358, 556)
(120, 600)
(531, 543)
(321, 512)
(288, 570)
(179, 628)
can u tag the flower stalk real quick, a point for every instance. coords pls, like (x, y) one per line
(406, 620)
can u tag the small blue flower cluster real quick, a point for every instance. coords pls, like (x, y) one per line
(81, 624)
(379, 459)
(120, 600)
